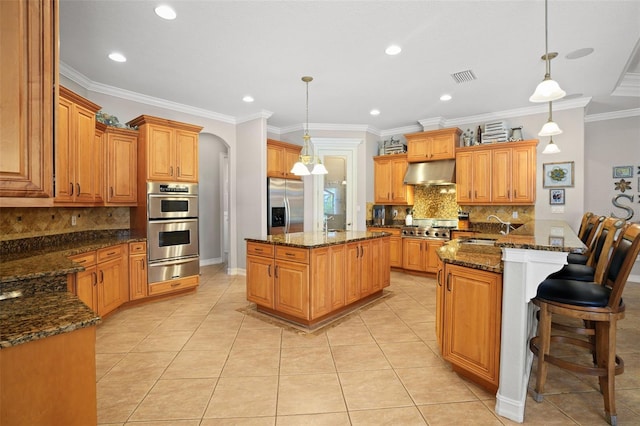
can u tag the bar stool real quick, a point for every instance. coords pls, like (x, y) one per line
(598, 258)
(600, 306)
(587, 235)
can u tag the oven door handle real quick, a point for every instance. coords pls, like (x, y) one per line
(172, 220)
(173, 262)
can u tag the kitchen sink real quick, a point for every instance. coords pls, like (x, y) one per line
(479, 241)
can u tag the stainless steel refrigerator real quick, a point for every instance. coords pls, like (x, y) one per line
(285, 206)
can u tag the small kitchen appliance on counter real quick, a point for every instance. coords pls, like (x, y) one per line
(382, 215)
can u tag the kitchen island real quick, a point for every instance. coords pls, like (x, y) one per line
(309, 278)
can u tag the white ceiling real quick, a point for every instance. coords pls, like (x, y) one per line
(216, 52)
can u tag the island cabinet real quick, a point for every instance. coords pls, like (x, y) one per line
(432, 145)
(420, 255)
(395, 245)
(309, 285)
(168, 150)
(281, 157)
(29, 34)
(468, 321)
(389, 187)
(77, 150)
(502, 174)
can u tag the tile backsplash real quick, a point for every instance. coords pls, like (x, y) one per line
(23, 222)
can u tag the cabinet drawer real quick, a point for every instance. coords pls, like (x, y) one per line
(258, 249)
(137, 248)
(293, 254)
(85, 259)
(174, 285)
(109, 253)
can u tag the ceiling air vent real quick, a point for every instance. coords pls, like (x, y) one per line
(462, 76)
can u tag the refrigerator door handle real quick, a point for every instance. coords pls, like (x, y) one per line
(286, 215)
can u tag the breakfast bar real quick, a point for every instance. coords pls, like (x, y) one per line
(529, 255)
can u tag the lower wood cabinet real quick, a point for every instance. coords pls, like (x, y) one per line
(395, 245)
(170, 286)
(420, 254)
(137, 270)
(310, 284)
(468, 322)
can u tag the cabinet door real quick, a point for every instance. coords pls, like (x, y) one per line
(337, 278)
(432, 256)
(291, 157)
(160, 152)
(352, 284)
(440, 304)
(186, 156)
(418, 149)
(442, 147)
(65, 153)
(121, 169)
(523, 172)
(292, 288)
(321, 274)
(501, 176)
(395, 252)
(464, 177)
(381, 263)
(86, 282)
(481, 177)
(260, 280)
(137, 276)
(85, 131)
(275, 159)
(412, 254)
(28, 30)
(366, 268)
(113, 289)
(472, 321)
(99, 169)
(382, 180)
(400, 193)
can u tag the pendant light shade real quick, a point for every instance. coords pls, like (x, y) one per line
(551, 148)
(307, 156)
(550, 128)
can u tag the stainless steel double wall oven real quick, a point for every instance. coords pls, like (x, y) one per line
(172, 231)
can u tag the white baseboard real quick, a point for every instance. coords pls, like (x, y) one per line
(215, 261)
(236, 271)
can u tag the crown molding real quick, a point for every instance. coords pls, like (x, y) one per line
(401, 131)
(629, 85)
(433, 123)
(612, 115)
(261, 114)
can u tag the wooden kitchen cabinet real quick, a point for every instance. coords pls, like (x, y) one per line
(432, 145)
(86, 281)
(167, 150)
(260, 274)
(420, 254)
(440, 276)
(29, 34)
(328, 278)
(281, 157)
(471, 322)
(497, 174)
(137, 270)
(359, 271)
(395, 245)
(389, 187)
(76, 150)
(121, 167)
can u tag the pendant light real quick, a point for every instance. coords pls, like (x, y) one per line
(548, 90)
(307, 156)
(550, 128)
(551, 147)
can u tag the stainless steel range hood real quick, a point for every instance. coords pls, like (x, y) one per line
(442, 172)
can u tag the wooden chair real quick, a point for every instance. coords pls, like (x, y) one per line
(587, 235)
(598, 258)
(583, 224)
(600, 306)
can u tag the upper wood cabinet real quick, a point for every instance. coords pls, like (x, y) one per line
(28, 34)
(281, 157)
(389, 187)
(500, 174)
(76, 150)
(121, 166)
(432, 145)
(167, 150)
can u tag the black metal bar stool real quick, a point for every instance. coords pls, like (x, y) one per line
(600, 306)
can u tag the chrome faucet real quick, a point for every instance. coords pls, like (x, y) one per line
(507, 224)
(325, 226)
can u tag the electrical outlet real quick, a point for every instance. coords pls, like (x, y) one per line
(514, 215)
(74, 220)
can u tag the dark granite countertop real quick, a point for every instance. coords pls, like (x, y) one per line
(25, 319)
(311, 240)
(53, 262)
(484, 257)
(546, 235)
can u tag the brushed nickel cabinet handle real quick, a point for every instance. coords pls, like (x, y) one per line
(176, 285)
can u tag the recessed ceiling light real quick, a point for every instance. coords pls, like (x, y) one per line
(118, 57)
(393, 50)
(374, 112)
(580, 53)
(445, 97)
(165, 12)
(248, 99)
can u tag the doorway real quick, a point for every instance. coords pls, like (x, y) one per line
(335, 192)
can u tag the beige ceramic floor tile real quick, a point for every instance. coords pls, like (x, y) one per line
(410, 354)
(210, 340)
(542, 413)
(373, 389)
(175, 399)
(243, 397)
(160, 340)
(393, 332)
(258, 338)
(105, 362)
(359, 358)
(435, 385)
(118, 342)
(324, 419)
(352, 333)
(406, 416)
(309, 394)
(167, 423)
(252, 362)
(117, 400)
(587, 408)
(295, 339)
(465, 413)
(140, 366)
(240, 421)
(306, 360)
(182, 323)
(196, 365)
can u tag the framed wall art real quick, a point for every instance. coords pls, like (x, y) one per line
(556, 197)
(623, 171)
(557, 175)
